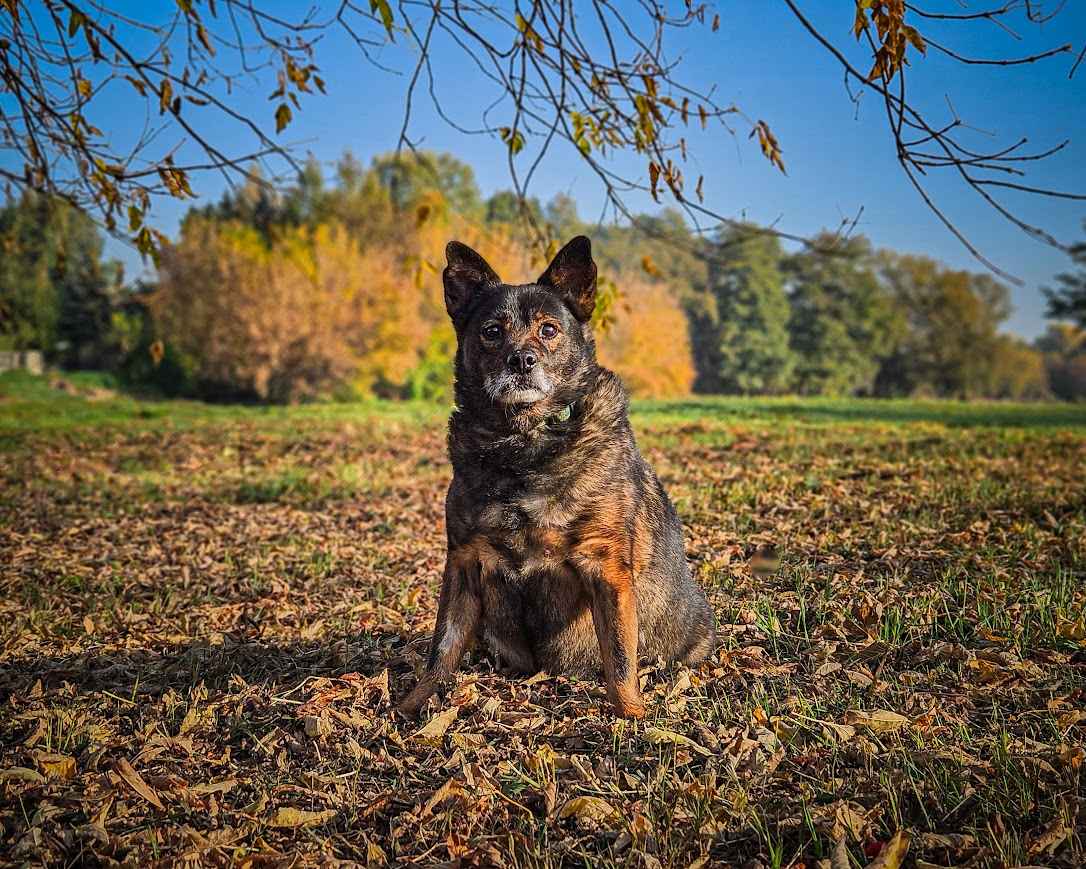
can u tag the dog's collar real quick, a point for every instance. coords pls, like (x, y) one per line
(557, 420)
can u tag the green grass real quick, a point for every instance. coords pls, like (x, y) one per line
(29, 404)
(216, 595)
(967, 414)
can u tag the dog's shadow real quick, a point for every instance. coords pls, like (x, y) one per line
(139, 675)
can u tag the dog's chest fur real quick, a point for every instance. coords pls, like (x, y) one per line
(531, 530)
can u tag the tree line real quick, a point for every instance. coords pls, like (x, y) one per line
(332, 287)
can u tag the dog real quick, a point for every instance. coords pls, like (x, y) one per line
(564, 552)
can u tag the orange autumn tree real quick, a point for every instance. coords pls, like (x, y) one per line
(648, 344)
(288, 321)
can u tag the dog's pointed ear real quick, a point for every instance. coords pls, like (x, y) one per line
(466, 274)
(573, 274)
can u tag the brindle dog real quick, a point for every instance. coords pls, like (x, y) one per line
(565, 553)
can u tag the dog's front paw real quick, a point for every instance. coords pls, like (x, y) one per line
(408, 708)
(630, 710)
(412, 704)
(636, 712)
(629, 706)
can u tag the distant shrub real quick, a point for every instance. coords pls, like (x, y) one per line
(347, 303)
(1016, 370)
(431, 379)
(1067, 376)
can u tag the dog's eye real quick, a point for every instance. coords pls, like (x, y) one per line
(548, 330)
(492, 331)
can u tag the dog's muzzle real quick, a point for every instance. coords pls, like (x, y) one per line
(519, 387)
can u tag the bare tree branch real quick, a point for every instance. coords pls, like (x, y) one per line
(595, 78)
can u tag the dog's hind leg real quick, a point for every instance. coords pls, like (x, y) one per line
(699, 646)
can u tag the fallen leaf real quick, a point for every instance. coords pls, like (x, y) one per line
(893, 852)
(879, 721)
(1072, 630)
(468, 741)
(838, 732)
(850, 820)
(287, 816)
(452, 789)
(589, 810)
(1049, 838)
(681, 684)
(433, 731)
(195, 717)
(375, 854)
(58, 766)
(658, 736)
(1072, 757)
(839, 859)
(547, 758)
(950, 841)
(256, 806)
(21, 773)
(135, 781)
(317, 725)
(219, 787)
(859, 678)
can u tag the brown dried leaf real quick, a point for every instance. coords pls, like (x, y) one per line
(892, 853)
(135, 781)
(660, 736)
(591, 811)
(288, 816)
(21, 773)
(839, 858)
(1049, 838)
(452, 789)
(838, 732)
(879, 721)
(58, 766)
(433, 731)
(219, 787)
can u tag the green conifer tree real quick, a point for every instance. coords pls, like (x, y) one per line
(751, 312)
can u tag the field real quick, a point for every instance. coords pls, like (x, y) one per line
(204, 613)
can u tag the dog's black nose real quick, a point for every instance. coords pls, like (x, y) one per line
(522, 361)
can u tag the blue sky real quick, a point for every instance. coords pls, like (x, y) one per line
(838, 159)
